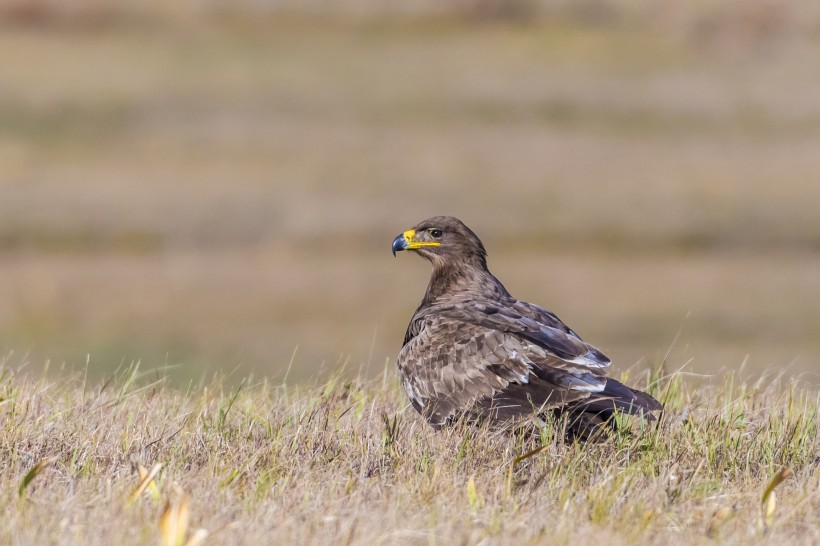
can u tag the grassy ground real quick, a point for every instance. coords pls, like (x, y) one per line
(347, 462)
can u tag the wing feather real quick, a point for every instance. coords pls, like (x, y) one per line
(452, 366)
(528, 322)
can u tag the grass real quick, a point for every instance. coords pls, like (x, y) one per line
(130, 460)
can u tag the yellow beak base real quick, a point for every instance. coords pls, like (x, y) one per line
(406, 241)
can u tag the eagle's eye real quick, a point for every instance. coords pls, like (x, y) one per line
(435, 233)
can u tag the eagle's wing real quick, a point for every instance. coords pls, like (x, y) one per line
(491, 359)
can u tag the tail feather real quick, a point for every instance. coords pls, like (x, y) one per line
(589, 418)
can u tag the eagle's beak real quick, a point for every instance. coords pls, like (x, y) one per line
(406, 241)
(401, 242)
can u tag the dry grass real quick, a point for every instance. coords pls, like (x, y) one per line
(346, 462)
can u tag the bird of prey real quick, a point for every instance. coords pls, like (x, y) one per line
(472, 351)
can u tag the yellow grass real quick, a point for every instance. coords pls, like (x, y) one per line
(349, 462)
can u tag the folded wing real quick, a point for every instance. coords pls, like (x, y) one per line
(492, 360)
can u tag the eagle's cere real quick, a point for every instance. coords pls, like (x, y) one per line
(474, 351)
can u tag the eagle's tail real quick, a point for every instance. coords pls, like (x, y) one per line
(590, 418)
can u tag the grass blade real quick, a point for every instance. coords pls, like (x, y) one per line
(31, 474)
(146, 481)
(768, 502)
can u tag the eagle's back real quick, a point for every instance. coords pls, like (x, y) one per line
(488, 359)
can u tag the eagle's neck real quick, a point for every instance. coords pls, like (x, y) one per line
(464, 280)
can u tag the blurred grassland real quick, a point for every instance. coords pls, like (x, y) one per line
(214, 184)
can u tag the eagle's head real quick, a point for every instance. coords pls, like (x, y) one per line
(444, 240)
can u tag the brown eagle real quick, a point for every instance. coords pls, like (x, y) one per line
(474, 351)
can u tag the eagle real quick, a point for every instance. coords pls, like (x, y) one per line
(472, 351)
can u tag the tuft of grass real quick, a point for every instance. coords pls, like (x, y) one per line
(347, 461)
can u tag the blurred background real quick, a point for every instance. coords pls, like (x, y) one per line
(215, 185)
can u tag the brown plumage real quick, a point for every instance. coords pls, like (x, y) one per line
(474, 351)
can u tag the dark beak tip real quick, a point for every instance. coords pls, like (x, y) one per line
(398, 244)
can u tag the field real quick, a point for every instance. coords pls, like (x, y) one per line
(196, 205)
(214, 192)
(346, 462)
